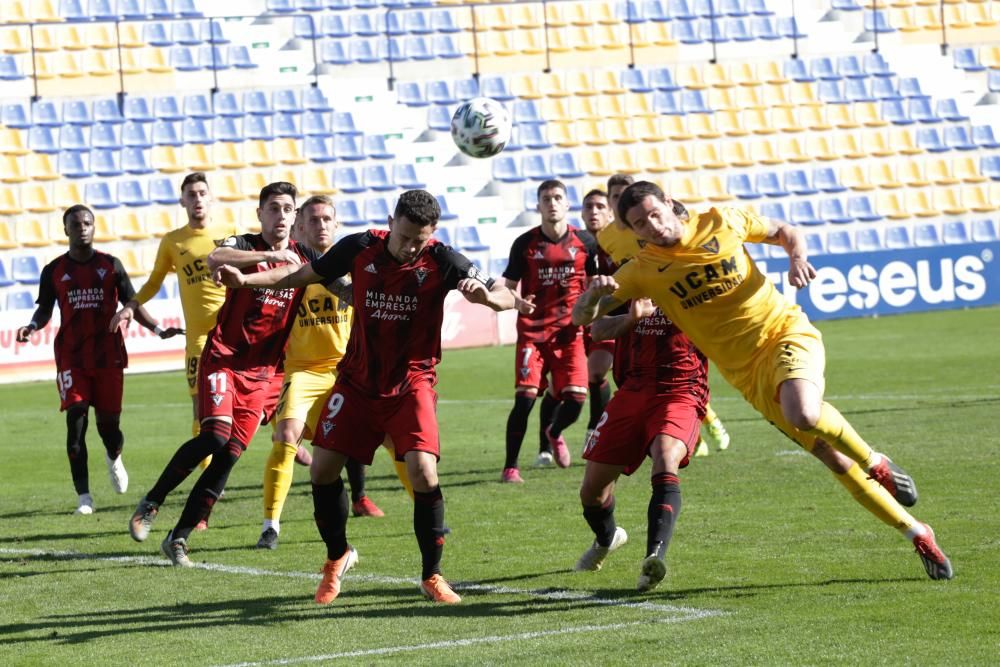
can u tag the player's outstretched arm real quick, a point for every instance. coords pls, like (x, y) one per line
(282, 277)
(610, 327)
(800, 271)
(143, 317)
(243, 258)
(498, 297)
(596, 300)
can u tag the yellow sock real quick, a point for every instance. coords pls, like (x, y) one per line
(710, 415)
(834, 429)
(195, 427)
(874, 498)
(404, 477)
(278, 477)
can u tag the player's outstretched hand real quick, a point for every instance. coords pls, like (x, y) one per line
(229, 276)
(800, 272)
(641, 308)
(121, 320)
(23, 334)
(524, 304)
(473, 290)
(170, 332)
(603, 285)
(285, 255)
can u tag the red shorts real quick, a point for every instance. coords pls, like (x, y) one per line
(247, 401)
(566, 362)
(99, 387)
(591, 346)
(633, 419)
(355, 425)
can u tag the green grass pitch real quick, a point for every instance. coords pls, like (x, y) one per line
(771, 562)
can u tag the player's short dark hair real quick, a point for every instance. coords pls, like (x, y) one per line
(550, 184)
(634, 194)
(275, 189)
(419, 207)
(619, 179)
(596, 192)
(76, 208)
(192, 178)
(318, 199)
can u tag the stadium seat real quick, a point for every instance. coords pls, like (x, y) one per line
(467, 238)
(798, 182)
(984, 231)
(926, 235)
(376, 148)
(867, 240)
(803, 213)
(839, 242)
(105, 163)
(954, 232)
(25, 269)
(405, 176)
(98, 195)
(378, 210)
(984, 137)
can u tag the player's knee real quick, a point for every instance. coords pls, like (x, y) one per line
(217, 432)
(802, 415)
(108, 427)
(286, 432)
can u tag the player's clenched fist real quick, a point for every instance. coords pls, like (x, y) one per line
(229, 276)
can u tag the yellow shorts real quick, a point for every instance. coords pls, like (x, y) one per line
(192, 354)
(303, 394)
(798, 354)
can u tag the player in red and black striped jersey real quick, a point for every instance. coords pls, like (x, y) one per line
(656, 412)
(552, 263)
(385, 382)
(90, 356)
(239, 373)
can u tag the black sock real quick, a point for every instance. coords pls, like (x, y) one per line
(76, 447)
(330, 513)
(601, 519)
(208, 489)
(517, 424)
(566, 413)
(111, 435)
(545, 412)
(213, 436)
(664, 508)
(600, 394)
(356, 478)
(428, 526)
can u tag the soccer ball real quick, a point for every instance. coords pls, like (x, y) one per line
(481, 127)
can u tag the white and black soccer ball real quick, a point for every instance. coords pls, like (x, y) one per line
(481, 127)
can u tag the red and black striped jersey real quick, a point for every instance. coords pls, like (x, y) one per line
(88, 294)
(398, 310)
(655, 352)
(555, 273)
(252, 327)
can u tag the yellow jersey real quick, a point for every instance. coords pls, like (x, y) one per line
(619, 242)
(185, 251)
(319, 336)
(711, 288)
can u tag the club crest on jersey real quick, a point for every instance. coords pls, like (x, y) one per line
(524, 371)
(65, 278)
(327, 426)
(712, 246)
(371, 268)
(572, 253)
(102, 273)
(217, 399)
(421, 275)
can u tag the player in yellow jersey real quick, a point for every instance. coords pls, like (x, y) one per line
(621, 244)
(315, 346)
(700, 276)
(184, 251)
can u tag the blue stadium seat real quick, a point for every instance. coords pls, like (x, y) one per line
(666, 102)
(5, 279)
(137, 108)
(376, 149)
(803, 213)
(693, 101)
(213, 32)
(184, 33)
(929, 139)
(875, 64)
(831, 210)
(662, 78)
(867, 240)
(364, 50)
(467, 88)
(446, 46)
(799, 182)
(712, 31)
(107, 111)
(287, 101)
(738, 30)
(877, 21)
(136, 135)
(443, 235)
(105, 163)
(378, 210)
(411, 94)
(42, 140)
(363, 25)
(315, 99)
(131, 9)
(680, 10)
(815, 243)
(506, 170)
(946, 109)
(46, 114)
(226, 128)
(858, 90)
(257, 103)
(919, 109)
(136, 161)
(497, 87)
(839, 242)
(762, 27)
(105, 135)
(16, 115)
(776, 210)
(280, 6)
(317, 149)
(445, 20)
(334, 53)
(25, 269)
(467, 238)
(239, 57)
(418, 47)
(954, 232)
(166, 133)
(984, 230)
(797, 70)
(909, 86)
(957, 137)
(845, 5)
(967, 58)
(343, 123)
(685, 31)
(825, 179)
(347, 179)
(349, 215)
(72, 138)
(635, 80)
(213, 58)
(768, 184)
(925, 235)
(10, 69)
(527, 111)
(895, 112)
(305, 27)
(822, 68)
(989, 166)
(497, 266)
(376, 177)
(741, 186)
(101, 10)
(74, 164)
(849, 67)
(316, 123)
(438, 118)
(287, 126)
(197, 105)
(186, 9)
(564, 165)
(885, 88)
(831, 92)
(759, 7)
(418, 22)
(440, 91)
(197, 131)
(309, 5)
(756, 251)
(258, 127)
(155, 34)
(132, 193)
(897, 236)
(335, 25)
(788, 27)
(993, 81)
(532, 136)
(183, 59)
(405, 176)
(446, 213)
(165, 107)
(535, 167)
(98, 195)
(72, 10)
(860, 207)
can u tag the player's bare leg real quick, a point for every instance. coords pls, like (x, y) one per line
(598, 500)
(330, 512)
(428, 525)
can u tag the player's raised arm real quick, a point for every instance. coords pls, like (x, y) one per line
(610, 327)
(596, 300)
(282, 277)
(496, 296)
(233, 256)
(800, 271)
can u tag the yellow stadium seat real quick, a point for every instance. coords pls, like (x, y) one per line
(757, 122)
(849, 145)
(647, 129)
(609, 37)
(920, 204)
(563, 134)
(905, 19)
(226, 187)
(15, 39)
(678, 156)
(39, 167)
(289, 151)
(818, 145)
(44, 11)
(57, 233)
(619, 131)
(69, 65)
(702, 125)
(770, 95)
(527, 15)
(652, 34)
(493, 17)
(803, 93)
(44, 40)
(730, 123)
(101, 36)
(131, 262)
(784, 119)
(10, 200)
(707, 155)
(130, 227)
(607, 82)
(131, 36)
(198, 157)
(32, 232)
(854, 177)
(583, 108)
(66, 194)
(868, 114)
(912, 173)
(7, 241)
(258, 153)
(69, 38)
(689, 76)
(317, 181)
(967, 170)
(717, 76)
(551, 85)
(675, 127)
(612, 106)
(956, 17)
(286, 174)
(591, 132)
(893, 206)
(878, 143)
(981, 198)
(160, 222)
(813, 118)
(99, 63)
(712, 187)
(166, 159)
(621, 160)
(14, 11)
(949, 201)
(639, 105)
(155, 60)
(841, 116)
(232, 214)
(104, 228)
(251, 183)
(990, 56)
(558, 40)
(499, 44)
(736, 155)
(983, 15)
(129, 63)
(793, 150)
(770, 71)
(36, 198)
(939, 171)
(529, 42)
(13, 169)
(726, 99)
(904, 142)
(580, 83)
(684, 189)
(555, 14)
(650, 159)
(524, 85)
(743, 74)
(595, 163)
(882, 174)
(228, 154)
(578, 13)
(44, 66)
(555, 109)
(580, 38)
